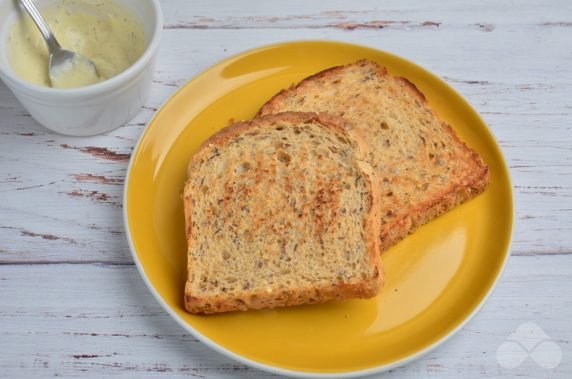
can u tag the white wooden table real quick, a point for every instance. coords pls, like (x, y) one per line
(71, 300)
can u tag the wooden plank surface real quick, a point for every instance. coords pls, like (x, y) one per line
(71, 301)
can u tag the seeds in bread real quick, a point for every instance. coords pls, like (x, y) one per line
(424, 168)
(280, 211)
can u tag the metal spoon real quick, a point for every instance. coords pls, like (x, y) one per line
(63, 64)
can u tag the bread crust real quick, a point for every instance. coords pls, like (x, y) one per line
(223, 136)
(450, 198)
(251, 299)
(281, 298)
(472, 183)
(272, 104)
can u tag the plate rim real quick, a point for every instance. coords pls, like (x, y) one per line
(284, 371)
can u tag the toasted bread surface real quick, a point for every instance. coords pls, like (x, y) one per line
(280, 211)
(424, 168)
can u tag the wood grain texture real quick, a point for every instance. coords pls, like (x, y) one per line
(71, 301)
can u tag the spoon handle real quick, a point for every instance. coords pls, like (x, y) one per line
(51, 40)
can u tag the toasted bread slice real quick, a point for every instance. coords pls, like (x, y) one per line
(280, 211)
(425, 169)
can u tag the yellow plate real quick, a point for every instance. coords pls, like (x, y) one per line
(437, 278)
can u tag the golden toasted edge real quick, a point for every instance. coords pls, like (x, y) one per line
(474, 182)
(280, 298)
(455, 195)
(366, 288)
(372, 225)
(270, 106)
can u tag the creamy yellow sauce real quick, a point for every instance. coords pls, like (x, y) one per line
(72, 73)
(103, 31)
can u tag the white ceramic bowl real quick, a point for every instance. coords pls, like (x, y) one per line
(94, 109)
